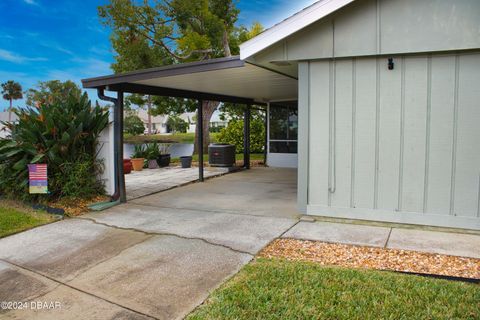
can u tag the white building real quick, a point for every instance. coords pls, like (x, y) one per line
(4, 116)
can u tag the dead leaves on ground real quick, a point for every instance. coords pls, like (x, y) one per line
(372, 258)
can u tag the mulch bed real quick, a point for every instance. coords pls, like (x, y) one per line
(373, 258)
(77, 207)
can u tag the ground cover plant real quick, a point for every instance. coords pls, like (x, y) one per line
(281, 289)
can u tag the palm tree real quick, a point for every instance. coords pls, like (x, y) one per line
(11, 90)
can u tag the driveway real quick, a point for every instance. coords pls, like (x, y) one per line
(156, 257)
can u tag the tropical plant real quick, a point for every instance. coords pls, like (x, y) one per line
(11, 90)
(164, 148)
(233, 134)
(61, 135)
(152, 151)
(139, 152)
(133, 124)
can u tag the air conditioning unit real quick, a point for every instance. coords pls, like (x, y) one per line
(221, 155)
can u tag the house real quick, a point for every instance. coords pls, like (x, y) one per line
(4, 118)
(159, 123)
(377, 102)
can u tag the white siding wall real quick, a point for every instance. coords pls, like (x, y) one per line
(396, 145)
(106, 154)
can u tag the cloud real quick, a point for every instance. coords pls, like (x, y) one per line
(9, 56)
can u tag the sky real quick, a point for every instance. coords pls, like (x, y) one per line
(64, 40)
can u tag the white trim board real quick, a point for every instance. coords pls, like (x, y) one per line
(395, 217)
(290, 25)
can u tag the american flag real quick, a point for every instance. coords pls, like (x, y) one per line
(37, 172)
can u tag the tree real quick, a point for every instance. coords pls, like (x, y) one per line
(177, 124)
(11, 90)
(133, 124)
(141, 101)
(52, 92)
(155, 33)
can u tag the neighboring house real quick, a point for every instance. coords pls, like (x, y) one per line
(4, 118)
(190, 118)
(215, 121)
(159, 123)
(376, 101)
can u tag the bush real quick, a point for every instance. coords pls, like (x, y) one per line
(64, 136)
(133, 125)
(176, 124)
(233, 134)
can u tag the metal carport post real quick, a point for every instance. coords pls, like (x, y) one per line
(200, 139)
(246, 137)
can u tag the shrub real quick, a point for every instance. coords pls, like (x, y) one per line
(177, 124)
(64, 136)
(233, 134)
(133, 125)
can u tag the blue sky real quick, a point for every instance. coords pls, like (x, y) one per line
(63, 39)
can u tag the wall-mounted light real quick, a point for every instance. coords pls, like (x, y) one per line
(391, 65)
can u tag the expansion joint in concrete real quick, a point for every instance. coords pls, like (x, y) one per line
(388, 237)
(165, 234)
(60, 283)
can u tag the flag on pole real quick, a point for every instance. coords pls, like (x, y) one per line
(38, 178)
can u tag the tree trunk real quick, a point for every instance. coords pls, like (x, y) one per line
(10, 112)
(226, 45)
(149, 115)
(209, 108)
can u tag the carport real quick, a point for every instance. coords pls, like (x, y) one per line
(224, 80)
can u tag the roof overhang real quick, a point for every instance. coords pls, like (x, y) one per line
(290, 25)
(226, 79)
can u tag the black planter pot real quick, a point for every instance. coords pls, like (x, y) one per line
(163, 160)
(186, 161)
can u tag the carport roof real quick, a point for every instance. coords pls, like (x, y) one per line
(226, 79)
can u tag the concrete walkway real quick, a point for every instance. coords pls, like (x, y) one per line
(158, 257)
(149, 181)
(450, 243)
(150, 258)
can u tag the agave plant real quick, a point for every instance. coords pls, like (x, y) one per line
(152, 151)
(59, 134)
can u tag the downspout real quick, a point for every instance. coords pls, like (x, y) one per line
(100, 91)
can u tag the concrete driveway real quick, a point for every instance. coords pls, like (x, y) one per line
(155, 257)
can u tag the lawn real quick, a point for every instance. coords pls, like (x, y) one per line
(280, 289)
(15, 218)
(238, 156)
(175, 138)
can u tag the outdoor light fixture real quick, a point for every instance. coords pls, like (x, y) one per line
(390, 64)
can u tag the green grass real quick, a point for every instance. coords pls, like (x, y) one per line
(238, 156)
(279, 289)
(174, 138)
(15, 218)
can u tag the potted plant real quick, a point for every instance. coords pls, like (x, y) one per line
(127, 166)
(152, 153)
(138, 157)
(164, 156)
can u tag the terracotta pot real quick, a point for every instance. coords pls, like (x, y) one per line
(127, 166)
(137, 164)
(152, 164)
